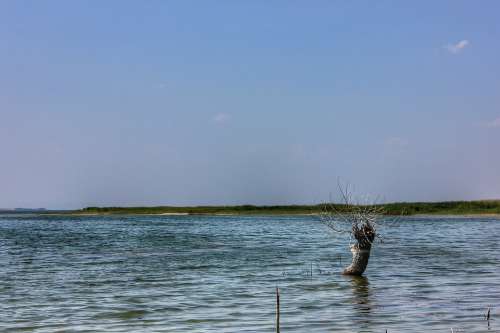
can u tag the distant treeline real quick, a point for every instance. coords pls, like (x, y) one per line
(399, 208)
(445, 208)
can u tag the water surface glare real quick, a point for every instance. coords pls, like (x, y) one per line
(218, 274)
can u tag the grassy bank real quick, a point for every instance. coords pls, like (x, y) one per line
(399, 208)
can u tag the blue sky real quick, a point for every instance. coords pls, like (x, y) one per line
(262, 102)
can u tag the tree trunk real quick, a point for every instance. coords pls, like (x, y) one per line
(364, 235)
(360, 256)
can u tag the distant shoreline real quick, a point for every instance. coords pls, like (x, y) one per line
(477, 215)
(450, 208)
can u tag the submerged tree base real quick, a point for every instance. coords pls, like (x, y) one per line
(359, 262)
(365, 235)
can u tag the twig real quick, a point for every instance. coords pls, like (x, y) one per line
(277, 310)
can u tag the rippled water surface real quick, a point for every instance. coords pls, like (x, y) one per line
(219, 274)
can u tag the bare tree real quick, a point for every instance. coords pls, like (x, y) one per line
(355, 218)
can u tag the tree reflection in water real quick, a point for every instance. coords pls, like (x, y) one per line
(361, 301)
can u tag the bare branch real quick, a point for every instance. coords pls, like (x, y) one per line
(355, 217)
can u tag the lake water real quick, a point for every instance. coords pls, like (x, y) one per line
(219, 274)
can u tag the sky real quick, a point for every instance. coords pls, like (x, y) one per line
(123, 103)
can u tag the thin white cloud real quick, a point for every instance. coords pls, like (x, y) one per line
(221, 118)
(159, 86)
(458, 47)
(494, 123)
(396, 142)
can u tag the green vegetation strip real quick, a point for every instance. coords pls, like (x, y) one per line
(399, 208)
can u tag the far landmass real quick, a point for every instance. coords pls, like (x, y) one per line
(480, 207)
